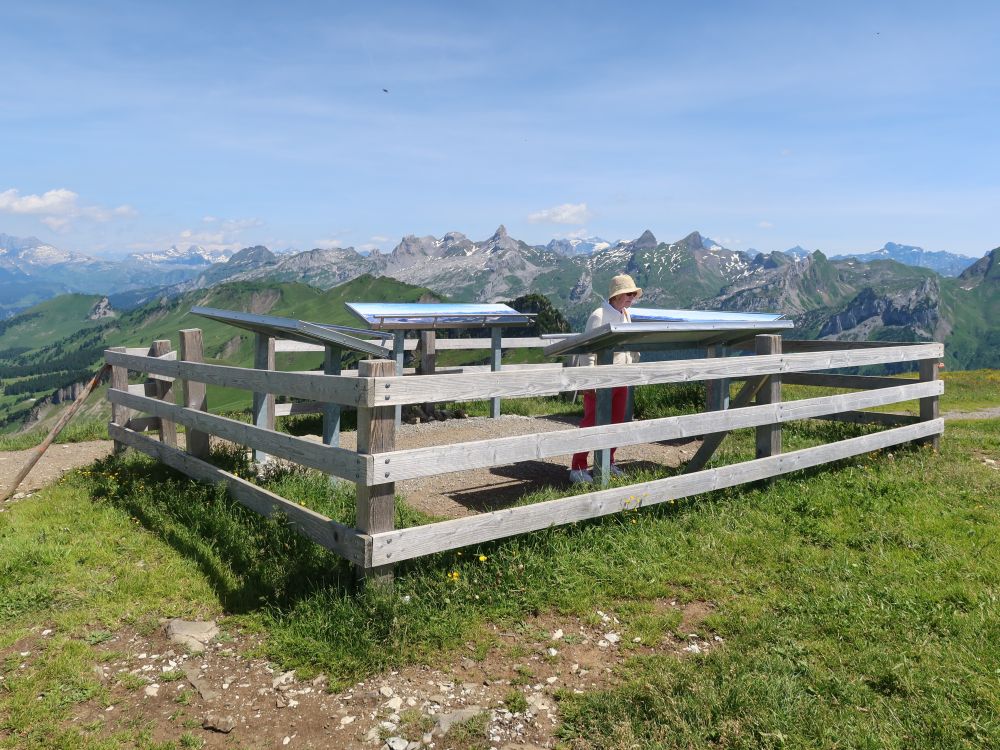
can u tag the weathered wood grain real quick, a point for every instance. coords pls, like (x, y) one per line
(194, 392)
(930, 406)
(334, 536)
(305, 385)
(337, 461)
(443, 459)
(402, 544)
(467, 387)
(163, 390)
(830, 380)
(376, 495)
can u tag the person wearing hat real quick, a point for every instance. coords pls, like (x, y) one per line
(621, 294)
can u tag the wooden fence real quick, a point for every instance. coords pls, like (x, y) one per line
(373, 545)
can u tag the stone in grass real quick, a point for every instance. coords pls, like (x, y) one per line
(219, 723)
(192, 635)
(446, 721)
(396, 743)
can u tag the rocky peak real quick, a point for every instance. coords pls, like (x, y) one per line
(252, 255)
(987, 267)
(101, 309)
(646, 241)
(500, 241)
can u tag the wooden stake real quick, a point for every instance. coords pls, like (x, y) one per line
(54, 432)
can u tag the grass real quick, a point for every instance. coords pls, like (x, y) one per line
(859, 603)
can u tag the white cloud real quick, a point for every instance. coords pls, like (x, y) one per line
(329, 243)
(58, 208)
(380, 239)
(765, 225)
(209, 219)
(567, 213)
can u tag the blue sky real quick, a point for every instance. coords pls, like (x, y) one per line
(137, 125)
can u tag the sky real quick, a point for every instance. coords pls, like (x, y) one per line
(134, 126)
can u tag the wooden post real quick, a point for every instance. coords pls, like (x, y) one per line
(376, 505)
(602, 456)
(263, 403)
(194, 392)
(331, 411)
(496, 356)
(427, 360)
(119, 382)
(769, 436)
(164, 391)
(930, 407)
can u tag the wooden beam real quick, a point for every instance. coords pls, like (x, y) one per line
(194, 392)
(308, 385)
(871, 417)
(467, 387)
(338, 461)
(442, 459)
(830, 380)
(334, 536)
(402, 544)
(376, 497)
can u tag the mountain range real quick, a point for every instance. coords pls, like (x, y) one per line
(847, 297)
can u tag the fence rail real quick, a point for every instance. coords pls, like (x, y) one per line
(373, 545)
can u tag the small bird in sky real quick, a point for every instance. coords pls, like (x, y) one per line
(385, 91)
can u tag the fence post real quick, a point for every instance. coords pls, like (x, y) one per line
(376, 504)
(164, 391)
(331, 411)
(263, 403)
(602, 415)
(194, 391)
(930, 407)
(119, 382)
(769, 436)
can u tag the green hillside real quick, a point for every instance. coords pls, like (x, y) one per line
(47, 321)
(76, 349)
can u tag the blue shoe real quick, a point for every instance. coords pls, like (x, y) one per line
(580, 476)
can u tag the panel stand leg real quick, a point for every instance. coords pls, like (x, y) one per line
(331, 412)
(602, 456)
(263, 403)
(495, 357)
(427, 360)
(398, 354)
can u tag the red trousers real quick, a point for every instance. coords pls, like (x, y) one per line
(619, 400)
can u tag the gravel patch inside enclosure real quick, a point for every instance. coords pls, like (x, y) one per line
(467, 492)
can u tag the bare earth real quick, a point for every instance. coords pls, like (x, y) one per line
(227, 699)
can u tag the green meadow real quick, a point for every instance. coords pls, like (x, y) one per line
(858, 603)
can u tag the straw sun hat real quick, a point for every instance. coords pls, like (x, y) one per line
(623, 284)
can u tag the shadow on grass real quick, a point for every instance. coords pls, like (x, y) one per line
(250, 561)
